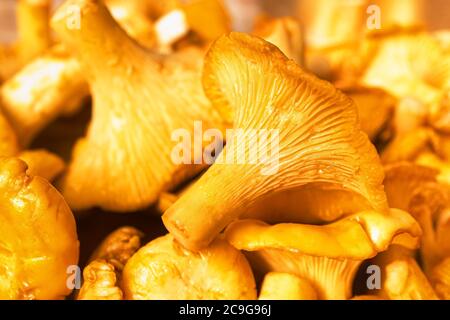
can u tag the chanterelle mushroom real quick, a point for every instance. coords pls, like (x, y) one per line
(139, 99)
(313, 126)
(39, 239)
(329, 255)
(163, 269)
(104, 273)
(100, 282)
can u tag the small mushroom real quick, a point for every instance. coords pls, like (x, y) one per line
(39, 239)
(286, 286)
(320, 144)
(164, 270)
(139, 99)
(100, 282)
(103, 274)
(329, 255)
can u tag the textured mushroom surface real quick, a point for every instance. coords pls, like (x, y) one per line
(163, 269)
(39, 240)
(320, 140)
(328, 256)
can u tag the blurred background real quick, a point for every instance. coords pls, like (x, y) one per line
(435, 13)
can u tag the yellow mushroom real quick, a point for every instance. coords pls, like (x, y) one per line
(329, 255)
(33, 36)
(164, 270)
(103, 274)
(286, 286)
(285, 33)
(139, 99)
(308, 134)
(401, 276)
(100, 282)
(39, 240)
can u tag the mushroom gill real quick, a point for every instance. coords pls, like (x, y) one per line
(315, 131)
(329, 255)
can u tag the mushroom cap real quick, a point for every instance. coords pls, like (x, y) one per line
(139, 99)
(319, 139)
(329, 255)
(163, 269)
(39, 239)
(100, 282)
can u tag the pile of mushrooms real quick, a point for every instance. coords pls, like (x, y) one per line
(328, 149)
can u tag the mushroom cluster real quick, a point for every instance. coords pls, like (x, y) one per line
(302, 160)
